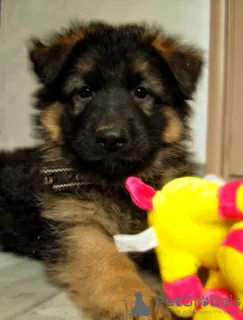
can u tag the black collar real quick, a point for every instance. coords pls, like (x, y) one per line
(63, 178)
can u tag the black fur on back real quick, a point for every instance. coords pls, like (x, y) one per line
(22, 230)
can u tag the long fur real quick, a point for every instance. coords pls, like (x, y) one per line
(72, 231)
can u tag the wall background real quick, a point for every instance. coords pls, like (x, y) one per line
(23, 18)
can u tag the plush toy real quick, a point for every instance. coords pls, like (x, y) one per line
(198, 223)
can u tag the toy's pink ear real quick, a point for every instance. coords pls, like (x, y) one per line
(141, 193)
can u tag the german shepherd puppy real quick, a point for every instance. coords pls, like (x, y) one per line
(112, 102)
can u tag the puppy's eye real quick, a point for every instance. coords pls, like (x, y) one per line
(85, 92)
(141, 92)
(80, 99)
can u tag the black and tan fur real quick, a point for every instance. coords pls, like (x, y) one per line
(72, 231)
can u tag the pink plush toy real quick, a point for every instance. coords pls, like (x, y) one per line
(198, 223)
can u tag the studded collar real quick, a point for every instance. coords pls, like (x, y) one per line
(61, 177)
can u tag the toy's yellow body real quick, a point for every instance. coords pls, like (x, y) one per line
(187, 224)
(199, 223)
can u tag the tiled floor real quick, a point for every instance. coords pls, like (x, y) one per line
(25, 294)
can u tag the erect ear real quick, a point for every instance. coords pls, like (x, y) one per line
(141, 193)
(185, 62)
(48, 58)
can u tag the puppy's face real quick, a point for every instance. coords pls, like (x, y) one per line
(112, 98)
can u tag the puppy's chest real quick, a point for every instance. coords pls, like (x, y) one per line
(121, 211)
(116, 210)
(113, 210)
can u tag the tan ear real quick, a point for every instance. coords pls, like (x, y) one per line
(48, 58)
(185, 62)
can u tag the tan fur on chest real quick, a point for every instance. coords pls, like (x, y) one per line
(99, 211)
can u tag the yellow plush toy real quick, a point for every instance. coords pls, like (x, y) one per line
(198, 223)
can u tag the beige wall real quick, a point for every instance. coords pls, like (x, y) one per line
(22, 18)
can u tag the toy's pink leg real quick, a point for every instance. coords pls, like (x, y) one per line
(183, 295)
(181, 285)
(230, 259)
(231, 200)
(217, 301)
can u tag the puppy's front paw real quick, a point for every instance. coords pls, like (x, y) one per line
(147, 305)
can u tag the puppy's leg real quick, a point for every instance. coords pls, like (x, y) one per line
(101, 280)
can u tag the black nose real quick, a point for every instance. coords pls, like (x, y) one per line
(111, 139)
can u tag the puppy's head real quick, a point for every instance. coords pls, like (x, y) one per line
(113, 97)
